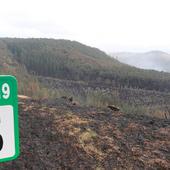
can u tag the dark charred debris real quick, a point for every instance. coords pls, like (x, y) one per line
(59, 135)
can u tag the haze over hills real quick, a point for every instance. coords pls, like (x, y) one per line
(155, 60)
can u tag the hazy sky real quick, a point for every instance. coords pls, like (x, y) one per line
(111, 25)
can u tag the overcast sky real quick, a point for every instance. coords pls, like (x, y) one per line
(111, 25)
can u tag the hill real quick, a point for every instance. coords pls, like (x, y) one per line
(48, 68)
(28, 84)
(75, 137)
(71, 60)
(156, 60)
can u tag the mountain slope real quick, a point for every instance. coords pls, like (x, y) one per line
(71, 60)
(27, 83)
(156, 60)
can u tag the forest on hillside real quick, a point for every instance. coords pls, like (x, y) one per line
(71, 60)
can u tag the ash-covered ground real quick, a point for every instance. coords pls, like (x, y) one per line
(59, 135)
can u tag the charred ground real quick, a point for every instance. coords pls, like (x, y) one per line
(58, 135)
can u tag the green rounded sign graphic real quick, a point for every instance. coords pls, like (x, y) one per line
(9, 131)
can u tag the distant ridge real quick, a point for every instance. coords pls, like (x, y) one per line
(155, 60)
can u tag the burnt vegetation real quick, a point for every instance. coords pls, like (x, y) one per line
(57, 135)
(52, 68)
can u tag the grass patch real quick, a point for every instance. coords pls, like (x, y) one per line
(88, 135)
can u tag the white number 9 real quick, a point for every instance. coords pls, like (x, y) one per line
(5, 91)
